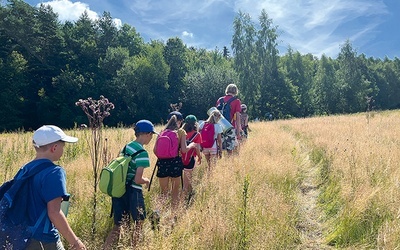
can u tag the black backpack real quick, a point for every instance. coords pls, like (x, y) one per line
(14, 230)
(225, 107)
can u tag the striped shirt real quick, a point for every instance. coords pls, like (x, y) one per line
(140, 160)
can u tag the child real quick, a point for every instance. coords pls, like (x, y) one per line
(244, 117)
(169, 171)
(211, 152)
(48, 189)
(132, 202)
(192, 135)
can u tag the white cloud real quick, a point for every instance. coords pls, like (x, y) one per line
(308, 26)
(187, 34)
(166, 11)
(117, 22)
(319, 27)
(69, 11)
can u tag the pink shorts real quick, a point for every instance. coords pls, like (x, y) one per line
(211, 151)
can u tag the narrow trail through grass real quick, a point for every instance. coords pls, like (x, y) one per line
(310, 226)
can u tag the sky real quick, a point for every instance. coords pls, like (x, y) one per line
(308, 26)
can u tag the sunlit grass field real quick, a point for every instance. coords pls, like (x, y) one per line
(252, 200)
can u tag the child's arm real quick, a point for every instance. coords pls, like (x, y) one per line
(219, 140)
(184, 148)
(139, 179)
(198, 153)
(154, 148)
(219, 145)
(247, 123)
(238, 125)
(60, 222)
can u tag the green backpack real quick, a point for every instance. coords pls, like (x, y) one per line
(113, 176)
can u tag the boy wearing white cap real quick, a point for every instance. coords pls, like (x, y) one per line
(48, 189)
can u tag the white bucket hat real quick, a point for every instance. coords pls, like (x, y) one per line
(48, 134)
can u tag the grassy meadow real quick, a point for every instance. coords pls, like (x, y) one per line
(315, 183)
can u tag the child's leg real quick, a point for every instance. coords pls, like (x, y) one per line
(207, 155)
(138, 213)
(120, 216)
(176, 184)
(164, 186)
(112, 237)
(187, 181)
(136, 233)
(213, 161)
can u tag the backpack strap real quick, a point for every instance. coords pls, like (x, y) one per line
(132, 156)
(221, 100)
(193, 136)
(23, 175)
(231, 100)
(152, 175)
(33, 170)
(19, 179)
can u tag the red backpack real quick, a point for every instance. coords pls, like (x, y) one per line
(186, 157)
(167, 144)
(207, 135)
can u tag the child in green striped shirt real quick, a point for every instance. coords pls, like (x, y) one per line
(132, 202)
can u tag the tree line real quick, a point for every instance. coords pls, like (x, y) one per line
(46, 66)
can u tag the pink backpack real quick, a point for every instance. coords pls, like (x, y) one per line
(167, 144)
(207, 135)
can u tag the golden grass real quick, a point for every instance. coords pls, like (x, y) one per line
(362, 156)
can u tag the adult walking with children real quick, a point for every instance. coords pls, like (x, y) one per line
(230, 107)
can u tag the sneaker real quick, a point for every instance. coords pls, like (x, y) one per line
(155, 220)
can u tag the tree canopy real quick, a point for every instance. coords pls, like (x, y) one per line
(46, 66)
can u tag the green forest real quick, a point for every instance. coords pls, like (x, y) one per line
(46, 66)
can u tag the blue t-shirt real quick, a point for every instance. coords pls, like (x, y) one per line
(45, 186)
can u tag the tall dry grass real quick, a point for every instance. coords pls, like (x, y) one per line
(250, 201)
(361, 195)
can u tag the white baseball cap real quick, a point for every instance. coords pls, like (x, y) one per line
(48, 134)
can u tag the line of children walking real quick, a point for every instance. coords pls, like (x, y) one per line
(49, 142)
(186, 141)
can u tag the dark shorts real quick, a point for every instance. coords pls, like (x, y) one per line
(191, 163)
(245, 132)
(169, 167)
(132, 202)
(34, 244)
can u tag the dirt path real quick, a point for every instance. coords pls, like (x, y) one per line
(310, 225)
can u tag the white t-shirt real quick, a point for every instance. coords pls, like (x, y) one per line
(217, 130)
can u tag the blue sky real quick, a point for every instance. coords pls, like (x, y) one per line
(308, 26)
